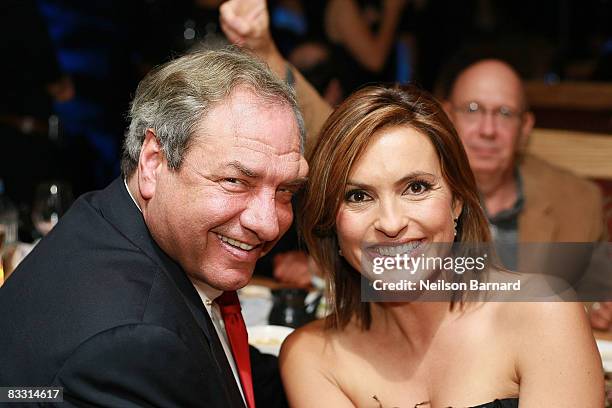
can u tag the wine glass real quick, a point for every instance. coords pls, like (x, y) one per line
(51, 201)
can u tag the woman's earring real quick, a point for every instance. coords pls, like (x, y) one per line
(455, 225)
(340, 253)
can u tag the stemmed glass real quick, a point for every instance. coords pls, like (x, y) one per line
(52, 200)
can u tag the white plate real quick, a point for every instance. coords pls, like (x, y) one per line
(268, 339)
(255, 291)
(605, 350)
(256, 302)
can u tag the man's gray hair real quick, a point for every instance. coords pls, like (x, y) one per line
(173, 99)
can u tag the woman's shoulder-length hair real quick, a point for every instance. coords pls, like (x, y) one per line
(343, 139)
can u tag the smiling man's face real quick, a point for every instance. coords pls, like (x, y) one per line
(230, 201)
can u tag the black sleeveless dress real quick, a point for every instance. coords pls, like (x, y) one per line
(503, 403)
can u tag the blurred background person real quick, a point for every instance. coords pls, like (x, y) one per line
(33, 82)
(525, 198)
(363, 38)
(93, 44)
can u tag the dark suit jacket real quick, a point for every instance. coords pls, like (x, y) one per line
(99, 309)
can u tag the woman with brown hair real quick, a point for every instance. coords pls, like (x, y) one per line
(388, 177)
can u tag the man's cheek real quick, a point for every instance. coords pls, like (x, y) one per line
(226, 207)
(284, 222)
(285, 218)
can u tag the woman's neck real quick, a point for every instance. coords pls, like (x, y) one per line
(415, 322)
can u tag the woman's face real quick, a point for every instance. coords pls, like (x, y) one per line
(396, 199)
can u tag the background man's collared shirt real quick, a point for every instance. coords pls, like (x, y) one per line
(504, 228)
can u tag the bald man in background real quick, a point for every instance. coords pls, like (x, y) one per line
(526, 199)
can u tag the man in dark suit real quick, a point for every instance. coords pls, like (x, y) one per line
(117, 304)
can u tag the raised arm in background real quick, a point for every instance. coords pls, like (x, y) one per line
(246, 23)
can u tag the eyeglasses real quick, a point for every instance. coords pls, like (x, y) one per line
(503, 116)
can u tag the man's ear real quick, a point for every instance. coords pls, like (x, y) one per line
(149, 163)
(526, 128)
(446, 105)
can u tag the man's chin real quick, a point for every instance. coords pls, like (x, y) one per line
(234, 279)
(227, 278)
(485, 167)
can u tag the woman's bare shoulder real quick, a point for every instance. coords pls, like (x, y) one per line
(545, 314)
(317, 343)
(308, 363)
(554, 350)
(307, 342)
(533, 325)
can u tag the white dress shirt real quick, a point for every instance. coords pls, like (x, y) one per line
(131, 196)
(208, 295)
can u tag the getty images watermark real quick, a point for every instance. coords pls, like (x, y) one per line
(442, 271)
(413, 264)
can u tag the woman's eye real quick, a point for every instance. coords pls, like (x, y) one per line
(356, 196)
(419, 187)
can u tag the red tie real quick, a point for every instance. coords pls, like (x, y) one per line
(239, 341)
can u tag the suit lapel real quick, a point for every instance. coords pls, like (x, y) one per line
(230, 385)
(117, 207)
(536, 226)
(536, 223)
